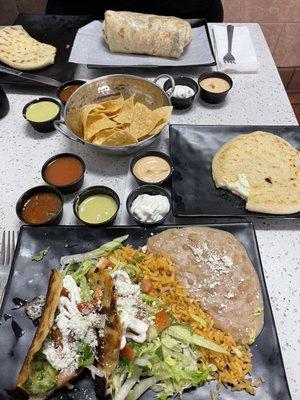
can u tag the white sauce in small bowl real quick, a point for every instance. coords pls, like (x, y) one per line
(150, 208)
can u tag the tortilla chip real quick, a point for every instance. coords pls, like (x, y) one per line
(165, 114)
(112, 107)
(143, 121)
(103, 135)
(125, 114)
(89, 114)
(119, 138)
(121, 122)
(101, 123)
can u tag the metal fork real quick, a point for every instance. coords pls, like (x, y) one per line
(229, 58)
(7, 252)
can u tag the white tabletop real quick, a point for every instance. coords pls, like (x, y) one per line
(256, 99)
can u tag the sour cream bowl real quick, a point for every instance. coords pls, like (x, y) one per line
(148, 209)
(181, 103)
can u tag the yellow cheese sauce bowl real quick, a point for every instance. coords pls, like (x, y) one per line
(41, 113)
(96, 206)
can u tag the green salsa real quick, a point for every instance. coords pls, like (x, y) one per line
(97, 208)
(42, 111)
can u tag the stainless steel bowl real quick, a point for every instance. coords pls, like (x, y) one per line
(110, 86)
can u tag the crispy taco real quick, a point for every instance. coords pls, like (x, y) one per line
(78, 329)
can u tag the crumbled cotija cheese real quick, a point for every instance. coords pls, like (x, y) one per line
(71, 323)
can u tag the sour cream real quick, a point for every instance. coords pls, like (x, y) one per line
(130, 308)
(150, 208)
(181, 92)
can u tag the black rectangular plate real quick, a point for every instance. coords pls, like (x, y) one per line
(28, 279)
(195, 23)
(57, 30)
(192, 148)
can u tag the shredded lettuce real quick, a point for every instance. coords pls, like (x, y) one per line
(85, 291)
(185, 334)
(127, 386)
(86, 357)
(199, 319)
(82, 270)
(141, 388)
(170, 369)
(94, 254)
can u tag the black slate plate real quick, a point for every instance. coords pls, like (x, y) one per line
(57, 30)
(28, 279)
(192, 149)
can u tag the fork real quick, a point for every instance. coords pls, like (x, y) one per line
(7, 251)
(229, 58)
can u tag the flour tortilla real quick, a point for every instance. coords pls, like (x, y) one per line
(272, 168)
(19, 50)
(47, 319)
(128, 32)
(215, 268)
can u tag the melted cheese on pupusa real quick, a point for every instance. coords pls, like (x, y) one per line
(130, 308)
(241, 186)
(72, 324)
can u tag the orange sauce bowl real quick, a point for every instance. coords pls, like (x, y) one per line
(64, 171)
(40, 205)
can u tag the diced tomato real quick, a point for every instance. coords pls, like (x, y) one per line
(146, 286)
(98, 293)
(161, 320)
(128, 352)
(64, 292)
(87, 307)
(57, 337)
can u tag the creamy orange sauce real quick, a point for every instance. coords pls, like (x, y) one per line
(151, 169)
(215, 85)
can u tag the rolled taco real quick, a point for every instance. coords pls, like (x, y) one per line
(72, 331)
(128, 32)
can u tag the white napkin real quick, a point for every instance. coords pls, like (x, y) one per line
(242, 49)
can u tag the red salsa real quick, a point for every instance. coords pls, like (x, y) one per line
(67, 92)
(63, 171)
(41, 208)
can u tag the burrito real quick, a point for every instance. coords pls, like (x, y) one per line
(72, 333)
(128, 32)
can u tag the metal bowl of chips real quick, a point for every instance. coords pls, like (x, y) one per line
(112, 134)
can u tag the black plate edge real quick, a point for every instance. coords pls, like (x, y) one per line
(202, 22)
(253, 232)
(11, 271)
(250, 214)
